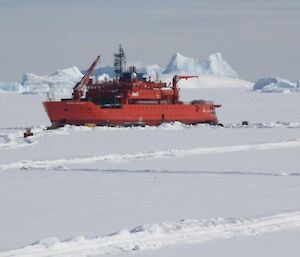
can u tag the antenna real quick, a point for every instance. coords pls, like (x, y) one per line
(119, 62)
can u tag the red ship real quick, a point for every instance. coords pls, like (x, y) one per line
(129, 100)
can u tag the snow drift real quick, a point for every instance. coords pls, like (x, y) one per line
(155, 236)
(276, 85)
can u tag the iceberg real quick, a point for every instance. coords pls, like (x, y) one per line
(214, 65)
(276, 85)
(11, 87)
(214, 72)
(62, 80)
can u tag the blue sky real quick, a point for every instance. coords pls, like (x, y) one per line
(258, 38)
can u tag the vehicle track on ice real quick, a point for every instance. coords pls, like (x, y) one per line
(158, 154)
(180, 172)
(155, 236)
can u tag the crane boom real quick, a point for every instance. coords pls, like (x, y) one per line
(176, 78)
(78, 89)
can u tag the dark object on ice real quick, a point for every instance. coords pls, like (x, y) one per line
(220, 125)
(245, 123)
(28, 133)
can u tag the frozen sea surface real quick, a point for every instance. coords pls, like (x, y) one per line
(172, 190)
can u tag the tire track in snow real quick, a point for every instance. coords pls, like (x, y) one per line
(174, 172)
(159, 154)
(150, 237)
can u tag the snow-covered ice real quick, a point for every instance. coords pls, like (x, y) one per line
(155, 236)
(155, 191)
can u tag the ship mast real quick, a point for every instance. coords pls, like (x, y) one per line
(119, 62)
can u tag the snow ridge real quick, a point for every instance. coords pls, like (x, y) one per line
(155, 236)
(172, 153)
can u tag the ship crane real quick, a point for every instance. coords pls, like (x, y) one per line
(78, 89)
(176, 78)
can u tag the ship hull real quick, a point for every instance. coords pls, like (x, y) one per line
(84, 112)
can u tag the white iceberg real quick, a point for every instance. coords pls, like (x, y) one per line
(276, 85)
(214, 72)
(11, 87)
(62, 80)
(214, 65)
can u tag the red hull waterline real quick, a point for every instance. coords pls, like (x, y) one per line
(76, 112)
